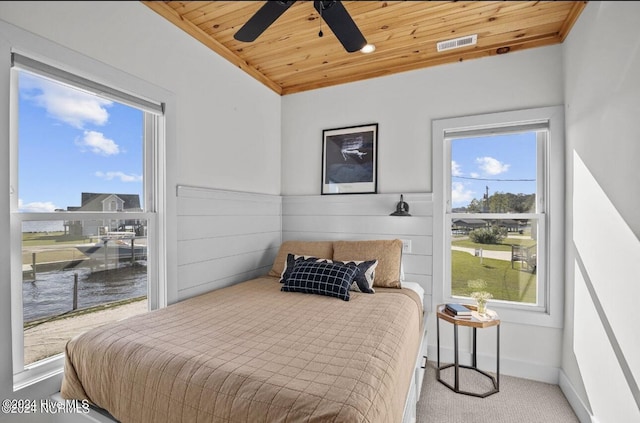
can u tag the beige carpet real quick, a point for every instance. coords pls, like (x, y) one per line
(519, 400)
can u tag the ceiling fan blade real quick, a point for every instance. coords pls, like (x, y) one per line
(340, 22)
(262, 19)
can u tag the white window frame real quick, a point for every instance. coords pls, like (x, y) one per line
(155, 201)
(549, 207)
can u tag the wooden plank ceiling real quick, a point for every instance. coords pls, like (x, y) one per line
(290, 57)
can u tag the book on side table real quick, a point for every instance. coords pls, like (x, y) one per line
(458, 309)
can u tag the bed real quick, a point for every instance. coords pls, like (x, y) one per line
(255, 352)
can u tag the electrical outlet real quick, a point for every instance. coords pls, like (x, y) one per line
(406, 245)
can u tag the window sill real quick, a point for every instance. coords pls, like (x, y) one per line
(533, 317)
(39, 372)
(517, 313)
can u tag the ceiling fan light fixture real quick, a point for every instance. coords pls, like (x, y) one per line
(368, 48)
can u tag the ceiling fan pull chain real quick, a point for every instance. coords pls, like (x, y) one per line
(320, 34)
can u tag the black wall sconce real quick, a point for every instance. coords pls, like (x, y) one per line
(402, 208)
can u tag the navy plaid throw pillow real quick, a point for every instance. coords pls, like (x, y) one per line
(291, 261)
(363, 282)
(330, 279)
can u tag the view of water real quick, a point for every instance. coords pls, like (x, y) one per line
(51, 293)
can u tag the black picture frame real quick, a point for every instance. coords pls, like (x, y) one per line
(350, 160)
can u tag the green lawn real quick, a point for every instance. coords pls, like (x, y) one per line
(65, 252)
(51, 238)
(504, 246)
(503, 282)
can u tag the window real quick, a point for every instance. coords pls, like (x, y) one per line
(500, 183)
(496, 213)
(84, 204)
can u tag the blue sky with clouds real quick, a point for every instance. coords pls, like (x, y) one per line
(72, 142)
(504, 163)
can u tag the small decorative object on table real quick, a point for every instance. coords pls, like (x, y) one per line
(481, 296)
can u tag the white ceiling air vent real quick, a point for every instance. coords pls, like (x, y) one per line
(469, 40)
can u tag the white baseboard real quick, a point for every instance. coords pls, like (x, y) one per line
(508, 366)
(576, 403)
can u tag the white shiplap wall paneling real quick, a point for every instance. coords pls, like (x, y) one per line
(363, 217)
(225, 237)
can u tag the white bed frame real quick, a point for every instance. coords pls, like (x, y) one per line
(416, 385)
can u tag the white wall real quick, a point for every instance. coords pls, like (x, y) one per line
(601, 354)
(404, 105)
(225, 237)
(224, 131)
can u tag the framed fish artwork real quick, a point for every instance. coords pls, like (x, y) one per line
(350, 160)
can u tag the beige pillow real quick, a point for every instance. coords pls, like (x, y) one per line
(319, 249)
(387, 252)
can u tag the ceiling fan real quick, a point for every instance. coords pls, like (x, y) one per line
(333, 13)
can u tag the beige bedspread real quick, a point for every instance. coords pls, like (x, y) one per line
(251, 353)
